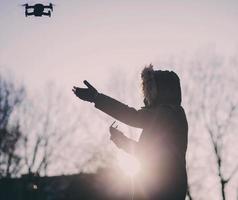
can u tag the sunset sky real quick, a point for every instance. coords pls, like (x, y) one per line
(85, 38)
(108, 42)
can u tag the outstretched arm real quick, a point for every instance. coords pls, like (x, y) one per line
(112, 107)
(121, 141)
(122, 112)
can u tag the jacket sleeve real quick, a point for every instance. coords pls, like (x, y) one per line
(127, 144)
(122, 112)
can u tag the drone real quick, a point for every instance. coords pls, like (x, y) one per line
(38, 10)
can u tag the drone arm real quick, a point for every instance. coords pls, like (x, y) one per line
(28, 13)
(49, 6)
(47, 13)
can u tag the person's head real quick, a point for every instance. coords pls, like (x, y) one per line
(160, 87)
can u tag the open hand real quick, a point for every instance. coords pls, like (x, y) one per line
(86, 94)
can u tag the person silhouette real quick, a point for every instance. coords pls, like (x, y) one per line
(162, 145)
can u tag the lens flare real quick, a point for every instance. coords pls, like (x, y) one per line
(128, 164)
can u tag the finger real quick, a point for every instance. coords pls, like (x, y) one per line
(88, 85)
(112, 130)
(75, 91)
(113, 138)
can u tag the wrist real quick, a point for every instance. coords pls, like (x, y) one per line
(95, 97)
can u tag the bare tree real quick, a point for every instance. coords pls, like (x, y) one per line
(10, 98)
(46, 125)
(218, 128)
(214, 108)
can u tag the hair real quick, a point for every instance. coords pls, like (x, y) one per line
(160, 87)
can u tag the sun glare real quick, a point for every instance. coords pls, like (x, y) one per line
(128, 164)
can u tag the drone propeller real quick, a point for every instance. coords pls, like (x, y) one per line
(25, 4)
(51, 5)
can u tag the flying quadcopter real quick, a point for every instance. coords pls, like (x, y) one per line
(38, 10)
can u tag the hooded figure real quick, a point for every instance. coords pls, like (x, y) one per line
(162, 146)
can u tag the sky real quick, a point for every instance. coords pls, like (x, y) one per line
(83, 39)
(95, 40)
